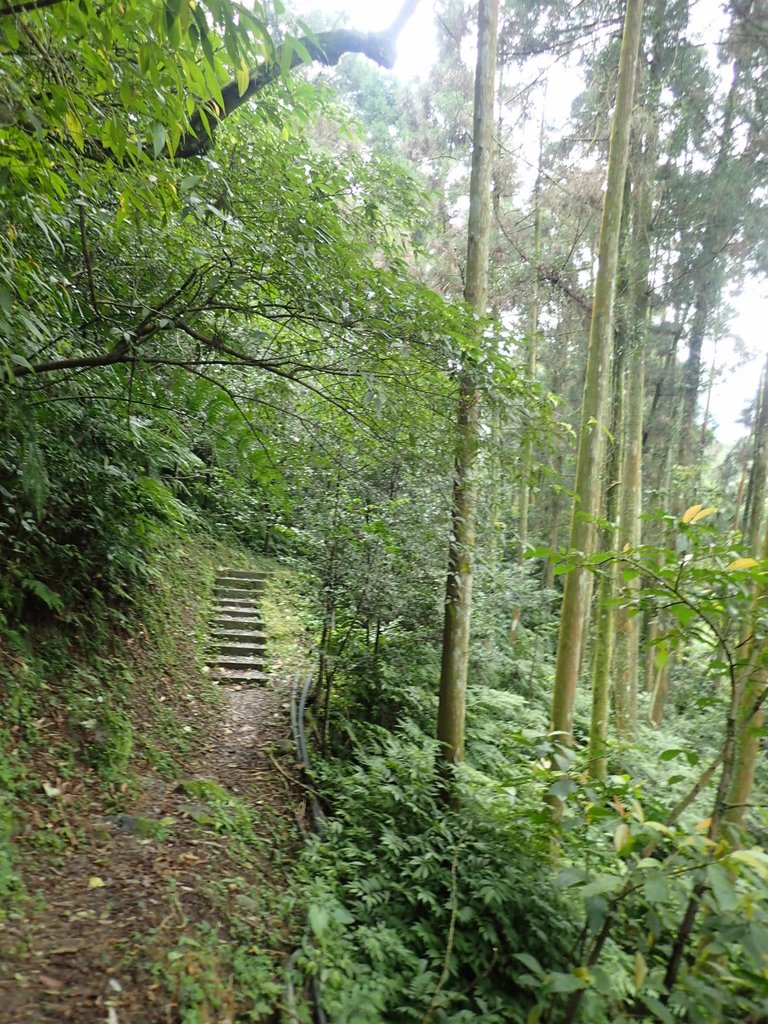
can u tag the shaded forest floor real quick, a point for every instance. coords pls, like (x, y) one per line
(172, 909)
(167, 899)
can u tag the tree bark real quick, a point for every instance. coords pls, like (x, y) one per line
(606, 612)
(525, 485)
(628, 633)
(458, 594)
(753, 677)
(709, 276)
(593, 421)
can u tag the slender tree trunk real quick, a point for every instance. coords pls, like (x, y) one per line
(458, 595)
(524, 504)
(652, 635)
(740, 494)
(753, 677)
(708, 283)
(525, 486)
(606, 614)
(494, 493)
(593, 419)
(660, 691)
(691, 386)
(659, 674)
(628, 632)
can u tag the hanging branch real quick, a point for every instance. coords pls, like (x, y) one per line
(324, 48)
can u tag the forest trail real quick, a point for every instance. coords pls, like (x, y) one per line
(171, 910)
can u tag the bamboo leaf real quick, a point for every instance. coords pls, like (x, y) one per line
(243, 77)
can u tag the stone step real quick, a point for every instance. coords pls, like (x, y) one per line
(236, 622)
(234, 592)
(254, 649)
(250, 575)
(237, 644)
(253, 590)
(237, 636)
(235, 602)
(238, 664)
(235, 612)
(251, 677)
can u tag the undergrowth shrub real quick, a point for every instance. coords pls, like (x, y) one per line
(416, 905)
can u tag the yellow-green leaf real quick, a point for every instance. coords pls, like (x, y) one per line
(703, 514)
(94, 882)
(641, 970)
(243, 77)
(622, 838)
(75, 129)
(742, 563)
(754, 858)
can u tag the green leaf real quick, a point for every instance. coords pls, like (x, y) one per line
(562, 788)
(319, 919)
(656, 887)
(75, 129)
(47, 596)
(565, 983)
(158, 138)
(658, 1009)
(722, 888)
(601, 884)
(530, 962)
(570, 876)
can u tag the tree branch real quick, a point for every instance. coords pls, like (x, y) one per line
(325, 48)
(28, 5)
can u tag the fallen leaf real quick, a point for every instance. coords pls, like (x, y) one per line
(50, 983)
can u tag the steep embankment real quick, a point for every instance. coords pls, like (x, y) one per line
(152, 886)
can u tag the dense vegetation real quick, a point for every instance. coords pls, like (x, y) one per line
(239, 302)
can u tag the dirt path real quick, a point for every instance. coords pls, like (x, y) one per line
(173, 909)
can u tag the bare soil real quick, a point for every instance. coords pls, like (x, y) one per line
(110, 930)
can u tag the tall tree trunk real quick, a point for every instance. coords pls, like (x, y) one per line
(524, 504)
(753, 677)
(628, 632)
(659, 669)
(458, 594)
(593, 419)
(525, 485)
(494, 540)
(606, 613)
(708, 285)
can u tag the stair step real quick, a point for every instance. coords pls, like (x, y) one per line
(253, 585)
(236, 602)
(238, 635)
(237, 644)
(225, 622)
(238, 662)
(236, 613)
(254, 649)
(251, 575)
(234, 592)
(259, 678)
